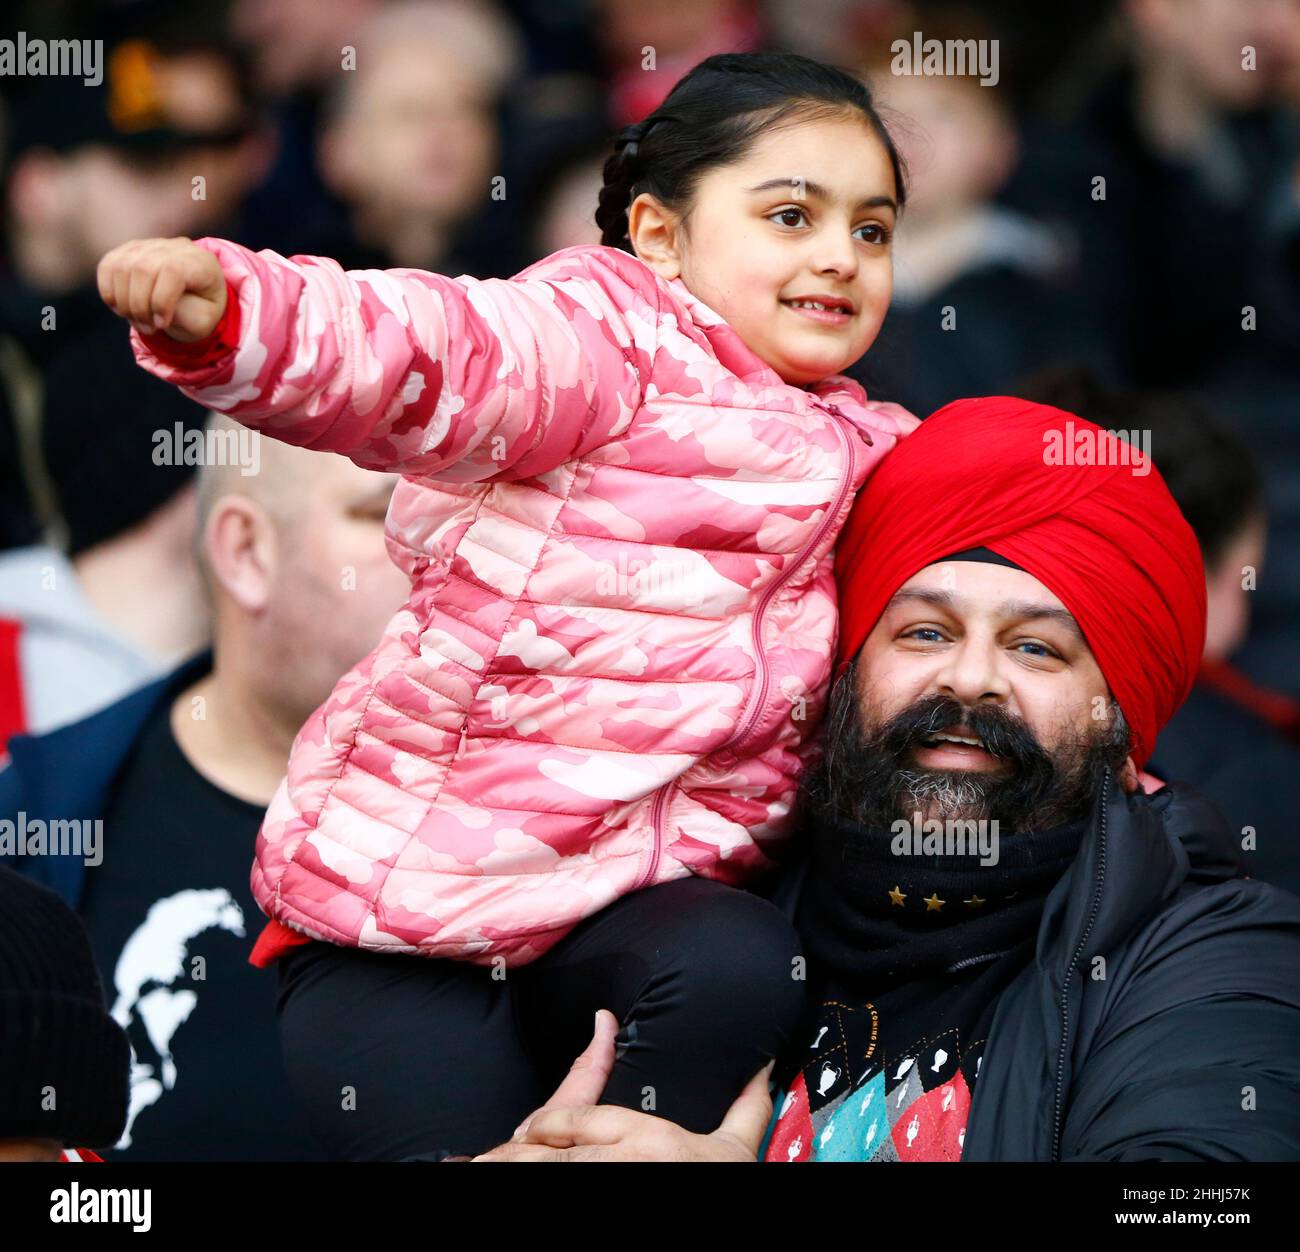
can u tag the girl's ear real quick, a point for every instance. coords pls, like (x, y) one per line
(654, 235)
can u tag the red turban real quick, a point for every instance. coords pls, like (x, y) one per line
(1023, 480)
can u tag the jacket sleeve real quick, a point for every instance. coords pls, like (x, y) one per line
(1199, 1057)
(409, 371)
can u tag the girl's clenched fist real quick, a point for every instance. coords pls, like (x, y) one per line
(164, 284)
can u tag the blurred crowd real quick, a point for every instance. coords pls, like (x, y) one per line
(1113, 227)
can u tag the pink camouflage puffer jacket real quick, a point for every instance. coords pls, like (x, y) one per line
(618, 522)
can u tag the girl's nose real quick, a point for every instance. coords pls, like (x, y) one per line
(836, 255)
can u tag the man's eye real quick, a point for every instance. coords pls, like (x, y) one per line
(1041, 648)
(786, 213)
(935, 635)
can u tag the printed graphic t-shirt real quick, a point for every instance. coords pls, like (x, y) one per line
(171, 920)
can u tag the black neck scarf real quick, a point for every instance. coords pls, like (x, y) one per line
(872, 919)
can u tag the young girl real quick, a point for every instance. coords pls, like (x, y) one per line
(624, 471)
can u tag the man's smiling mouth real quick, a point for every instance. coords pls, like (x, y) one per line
(958, 748)
(973, 740)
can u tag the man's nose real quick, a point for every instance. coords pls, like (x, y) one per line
(972, 673)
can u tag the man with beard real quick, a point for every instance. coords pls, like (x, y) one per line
(1016, 626)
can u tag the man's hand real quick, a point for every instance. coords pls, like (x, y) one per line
(570, 1126)
(164, 284)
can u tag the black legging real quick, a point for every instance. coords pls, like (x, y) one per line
(396, 1056)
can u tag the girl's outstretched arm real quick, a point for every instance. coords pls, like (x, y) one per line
(399, 370)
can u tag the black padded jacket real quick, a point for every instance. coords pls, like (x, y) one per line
(1160, 1016)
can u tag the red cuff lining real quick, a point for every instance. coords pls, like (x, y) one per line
(223, 338)
(274, 941)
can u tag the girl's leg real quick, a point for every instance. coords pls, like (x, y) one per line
(702, 978)
(400, 1056)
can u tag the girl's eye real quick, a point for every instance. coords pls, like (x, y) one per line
(876, 233)
(785, 213)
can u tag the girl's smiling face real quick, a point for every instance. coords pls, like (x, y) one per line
(808, 213)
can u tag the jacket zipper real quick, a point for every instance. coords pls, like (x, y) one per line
(657, 821)
(835, 408)
(973, 960)
(1059, 1099)
(751, 714)
(760, 698)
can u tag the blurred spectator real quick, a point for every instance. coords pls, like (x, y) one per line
(559, 39)
(838, 31)
(979, 289)
(56, 1039)
(1157, 171)
(1233, 741)
(18, 525)
(650, 44)
(180, 774)
(167, 144)
(297, 49)
(1257, 385)
(558, 99)
(564, 197)
(297, 44)
(409, 138)
(1169, 157)
(125, 602)
(391, 123)
(90, 168)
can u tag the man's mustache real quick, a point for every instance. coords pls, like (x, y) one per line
(868, 775)
(1002, 734)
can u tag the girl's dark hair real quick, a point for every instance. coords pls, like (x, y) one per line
(712, 118)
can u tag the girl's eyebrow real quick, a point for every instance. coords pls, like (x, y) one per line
(808, 187)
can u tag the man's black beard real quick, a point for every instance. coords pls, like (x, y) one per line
(865, 774)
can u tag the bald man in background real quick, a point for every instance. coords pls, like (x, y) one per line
(179, 775)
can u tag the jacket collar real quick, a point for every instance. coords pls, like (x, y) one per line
(1138, 851)
(736, 356)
